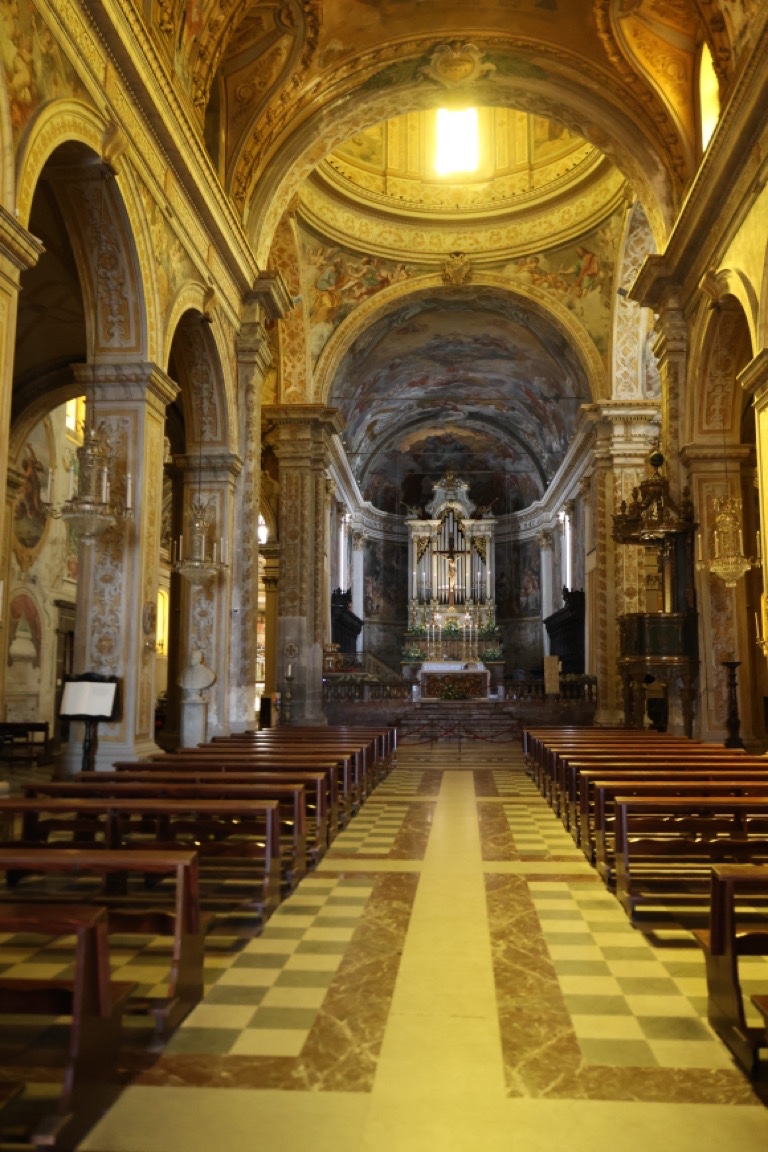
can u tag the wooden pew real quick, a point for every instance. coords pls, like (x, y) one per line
(321, 795)
(537, 741)
(338, 771)
(351, 761)
(563, 761)
(24, 742)
(735, 931)
(291, 799)
(699, 756)
(252, 857)
(666, 845)
(606, 791)
(91, 998)
(129, 912)
(594, 824)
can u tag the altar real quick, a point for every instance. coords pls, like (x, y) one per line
(453, 680)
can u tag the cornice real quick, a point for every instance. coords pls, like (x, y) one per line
(723, 189)
(142, 71)
(425, 241)
(16, 244)
(481, 205)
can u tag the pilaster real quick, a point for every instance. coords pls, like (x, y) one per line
(119, 570)
(300, 437)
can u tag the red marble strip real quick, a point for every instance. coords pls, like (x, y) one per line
(541, 1053)
(342, 1049)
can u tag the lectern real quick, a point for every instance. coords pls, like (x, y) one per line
(90, 698)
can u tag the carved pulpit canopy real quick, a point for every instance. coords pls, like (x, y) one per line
(652, 515)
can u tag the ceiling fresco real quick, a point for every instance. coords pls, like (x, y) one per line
(467, 380)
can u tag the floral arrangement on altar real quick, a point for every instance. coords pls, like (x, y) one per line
(493, 653)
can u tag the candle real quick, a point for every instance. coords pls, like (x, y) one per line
(104, 486)
(215, 548)
(181, 547)
(698, 546)
(757, 626)
(128, 491)
(289, 671)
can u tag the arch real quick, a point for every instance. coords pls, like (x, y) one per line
(389, 299)
(271, 175)
(724, 346)
(196, 348)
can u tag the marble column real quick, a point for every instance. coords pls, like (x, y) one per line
(19, 250)
(358, 582)
(207, 614)
(270, 554)
(300, 437)
(269, 301)
(119, 571)
(547, 601)
(624, 435)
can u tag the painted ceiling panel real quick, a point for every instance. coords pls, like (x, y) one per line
(461, 380)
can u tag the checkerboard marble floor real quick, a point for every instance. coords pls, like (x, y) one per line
(453, 976)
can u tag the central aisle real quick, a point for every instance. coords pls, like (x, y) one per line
(452, 978)
(441, 1056)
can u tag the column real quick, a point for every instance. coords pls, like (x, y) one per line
(358, 581)
(19, 250)
(547, 591)
(624, 435)
(300, 437)
(328, 538)
(271, 557)
(209, 611)
(269, 300)
(119, 570)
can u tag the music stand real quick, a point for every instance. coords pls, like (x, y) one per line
(90, 698)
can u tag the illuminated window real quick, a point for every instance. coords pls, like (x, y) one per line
(458, 141)
(161, 632)
(709, 96)
(74, 417)
(262, 531)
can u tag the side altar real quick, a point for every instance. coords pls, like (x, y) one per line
(452, 630)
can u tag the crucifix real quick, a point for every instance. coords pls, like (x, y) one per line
(450, 555)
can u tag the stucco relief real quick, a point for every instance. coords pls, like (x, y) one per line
(293, 498)
(293, 354)
(632, 373)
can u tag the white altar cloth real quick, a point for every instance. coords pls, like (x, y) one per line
(452, 666)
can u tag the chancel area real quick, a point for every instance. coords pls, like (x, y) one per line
(396, 365)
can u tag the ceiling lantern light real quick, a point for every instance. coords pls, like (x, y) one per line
(458, 141)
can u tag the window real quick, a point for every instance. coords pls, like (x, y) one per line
(458, 141)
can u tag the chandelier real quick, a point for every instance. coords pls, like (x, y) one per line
(727, 560)
(90, 508)
(199, 559)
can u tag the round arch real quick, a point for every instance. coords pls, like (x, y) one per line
(266, 178)
(391, 298)
(196, 347)
(724, 345)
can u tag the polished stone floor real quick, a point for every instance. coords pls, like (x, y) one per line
(452, 977)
